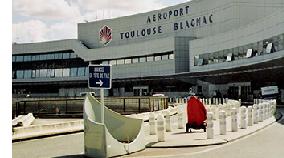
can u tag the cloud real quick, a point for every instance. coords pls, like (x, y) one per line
(46, 20)
(29, 31)
(38, 31)
(46, 9)
(110, 8)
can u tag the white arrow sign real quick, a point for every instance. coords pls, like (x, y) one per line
(100, 83)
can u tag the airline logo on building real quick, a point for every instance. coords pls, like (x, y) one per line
(105, 35)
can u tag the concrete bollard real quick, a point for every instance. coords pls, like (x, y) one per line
(267, 110)
(264, 111)
(210, 130)
(243, 117)
(161, 128)
(152, 123)
(168, 122)
(180, 120)
(255, 114)
(223, 124)
(250, 123)
(234, 120)
(260, 112)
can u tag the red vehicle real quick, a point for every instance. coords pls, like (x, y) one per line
(196, 114)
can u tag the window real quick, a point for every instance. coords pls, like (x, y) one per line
(112, 62)
(50, 57)
(27, 58)
(196, 58)
(135, 60)
(158, 58)
(73, 71)
(50, 73)
(27, 74)
(229, 57)
(58, 72)
(105, 62)
(33, 57)
(20, 74)
(66, 55)
(171, 56)
(165, 57)
(127, 61)
(81, 71)
(43, 57)
(66, 72)
(37, 57)
(43, 73)
(86, 71)
(33, 73)
(14, 74)
(142, 59)
(19, 58)
(73, 55)
(37, 74)
(13, 58)
(120, 61)
(150, 58)
(58, 56)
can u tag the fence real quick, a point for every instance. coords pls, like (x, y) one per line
(73, 107)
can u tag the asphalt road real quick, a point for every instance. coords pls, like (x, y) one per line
(267, 143)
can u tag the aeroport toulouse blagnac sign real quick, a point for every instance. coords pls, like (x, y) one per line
(158, 17)
(100, 76)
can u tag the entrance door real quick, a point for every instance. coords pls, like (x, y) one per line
(140, 90)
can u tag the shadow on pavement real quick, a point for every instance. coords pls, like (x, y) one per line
(71, 156)
(278, 116)
(193, 131)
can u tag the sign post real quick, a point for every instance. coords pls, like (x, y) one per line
(100, 77)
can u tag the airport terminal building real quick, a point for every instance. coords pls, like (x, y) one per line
(235, 47)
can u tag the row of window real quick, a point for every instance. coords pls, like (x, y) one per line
(51, 73)
(39, 57)
(139, 59)
(267, 46)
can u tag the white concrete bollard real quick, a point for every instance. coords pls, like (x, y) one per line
(209, 101)
(250, 122)
(223, 124)
(161, 128)
(180, 120)
(234, 120)
(255, 114)
(210, 130)
(260, 112)
(152, 123)
(243, 117)
(265, 111)
(168, 122)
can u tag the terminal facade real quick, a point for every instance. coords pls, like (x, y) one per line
(228, 47)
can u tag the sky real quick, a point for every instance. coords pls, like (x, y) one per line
(46, 20)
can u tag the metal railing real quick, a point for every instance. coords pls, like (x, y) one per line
(73, 107)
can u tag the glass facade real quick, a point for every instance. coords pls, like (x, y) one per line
(46, 56)
(250, 50)
(51, 72)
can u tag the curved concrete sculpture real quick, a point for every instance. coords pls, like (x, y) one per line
(119, 135)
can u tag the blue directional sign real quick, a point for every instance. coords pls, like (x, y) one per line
(100, 76)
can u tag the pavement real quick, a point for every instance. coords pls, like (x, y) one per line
(179, 138)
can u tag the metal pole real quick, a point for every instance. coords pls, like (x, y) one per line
(102, 96)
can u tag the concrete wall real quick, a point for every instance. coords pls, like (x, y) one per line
(267, 27)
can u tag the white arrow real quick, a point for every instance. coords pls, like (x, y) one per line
(100, 83)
